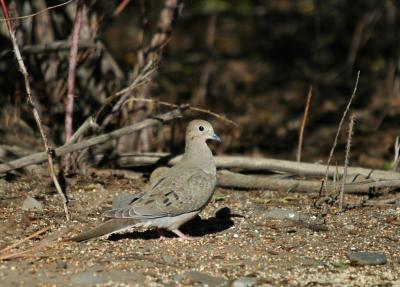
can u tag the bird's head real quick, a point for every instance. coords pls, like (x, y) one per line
(201, 130)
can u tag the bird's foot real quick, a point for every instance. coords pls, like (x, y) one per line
(162, 233)
(183, 236)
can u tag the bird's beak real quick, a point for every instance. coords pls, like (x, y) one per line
(214, 137)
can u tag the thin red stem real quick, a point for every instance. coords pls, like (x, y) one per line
(69, 106)
(6, 15)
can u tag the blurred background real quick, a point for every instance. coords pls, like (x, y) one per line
(253, 61)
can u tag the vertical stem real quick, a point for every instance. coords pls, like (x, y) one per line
(303, 124)
(340, 127)
(69, 106)
(346, 160)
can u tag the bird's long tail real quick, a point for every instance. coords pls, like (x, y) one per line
(108, 227)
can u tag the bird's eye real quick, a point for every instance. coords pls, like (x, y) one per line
(201, 128)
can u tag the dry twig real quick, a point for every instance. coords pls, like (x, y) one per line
(121, 7)
(69, 106)
(256, 164)
(88, 124)
(230, 179)
(303, 124)
(346, 161)
(45, 242)
(54, 47)
(37, 233)
(68, 148)
(199, 95)
(396, 158)
(142, 78)
(222, 118)
(36, 13)
(31, 102)
(340, 127)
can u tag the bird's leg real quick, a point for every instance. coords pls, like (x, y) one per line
(183, 236)
(162, 233)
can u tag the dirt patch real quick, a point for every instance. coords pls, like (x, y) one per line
(240, 242)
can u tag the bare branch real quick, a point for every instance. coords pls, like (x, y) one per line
(257, 164)
(230, 179)
(25, 74)
(68, 148)
(69, 106)
(340, 126)
(303, 124)
(220, 117)
(396, 158)
(6, 19)
(346, 161)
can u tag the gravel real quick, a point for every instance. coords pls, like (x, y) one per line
(237, 240)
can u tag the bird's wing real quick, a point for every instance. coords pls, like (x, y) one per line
(178, 191)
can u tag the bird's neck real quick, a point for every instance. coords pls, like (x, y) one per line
(199, 153)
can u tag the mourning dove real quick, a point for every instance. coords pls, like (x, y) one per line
(174, 196)
(157, 173)
(124, 200)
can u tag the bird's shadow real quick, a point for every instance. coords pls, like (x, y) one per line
(196, 227)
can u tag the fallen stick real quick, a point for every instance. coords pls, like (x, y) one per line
(241, 181)
(54, 47)
(87, 125)
(256, 164)
(37, 233)
(68, 148)
(382, 202)
(45, 242)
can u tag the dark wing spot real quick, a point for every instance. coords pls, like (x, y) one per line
(165, 200)
(149, 201)
(133, 200)
(169, 203)
(173, 193)
(158, 183)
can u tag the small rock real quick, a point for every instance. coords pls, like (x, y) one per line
(168, 259)
(392, 237)
(280, 213)
(317, 227)
(244, 282)
(31, 204)
(350, 228)
(93, 277)
(204, 278)
(61, 265)
(307, 261)
(366, 258)
(177, 277)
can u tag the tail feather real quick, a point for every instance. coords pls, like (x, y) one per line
(106, 228)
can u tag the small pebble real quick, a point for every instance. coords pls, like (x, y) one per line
(244, 282)
(367, 258)
(31, 204)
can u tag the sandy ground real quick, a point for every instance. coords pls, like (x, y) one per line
(239, 245)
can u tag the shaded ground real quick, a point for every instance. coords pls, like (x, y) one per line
(237, 238)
